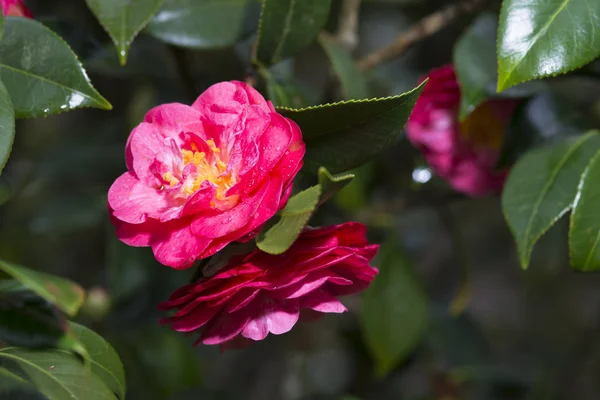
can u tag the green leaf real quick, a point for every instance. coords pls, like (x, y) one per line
(1, 25)
(353, 82)
(123, 20)
(9, 381)
(41, 73)
(584, 230)
(105, 361)
(475, 63)
(58, 374)
(204, 24)
(283, 94)
(331, 184)
(27, 320)
(395, 312)
(7, 126)
(541, 38)
(344, 135)
(64, 294)
(288, 26)
(277, 238)
(542, 187)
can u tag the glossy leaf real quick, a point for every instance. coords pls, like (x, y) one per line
(27, 320)
(475, 63)
(395, 312)
(584, 232)
(353, 82)
(123, 20)
(105, 361)
(331, 184)
(64, 294)
(287, 27)
(204, 24)
(344, 135)
(541, 38)
(542, 187)
(277, 238)
(7, 126)
(41, 73)
(58, 374)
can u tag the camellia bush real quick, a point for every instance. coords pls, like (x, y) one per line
(299, 199)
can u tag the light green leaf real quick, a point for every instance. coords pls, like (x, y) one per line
(395, 312)
(7, 126)
(41, 73)
(475, 63)
(541, 38)
(64, 294)
(123, 20)
(541, 188)
(584, 232)
(105, 361)
(277, 238)
(331, 184)
(58, 374)
(204, 24)
(353, 82)
(341, 136)
(288, 26)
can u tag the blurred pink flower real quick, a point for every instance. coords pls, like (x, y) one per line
(258, 293)
(15, 8)
(203, 176)
(464, 154)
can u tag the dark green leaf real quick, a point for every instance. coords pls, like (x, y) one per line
(475, 63)
(41, 73)
(584, 232)
(7, 126)
(9, 381)
(541, 38)
(395, 312)
(542, 187)
(105, 361)
(205, 23)
(58, 374)
(1, 25)
(288, 26)
(61, 292)
(277, 238)
(344, 135)
(27, 320)
(284, 94)
(353, 82)
(331, 184)
(123, 20)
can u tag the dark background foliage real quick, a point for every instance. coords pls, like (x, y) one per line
(491, 330)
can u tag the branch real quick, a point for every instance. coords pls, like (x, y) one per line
(347, 34)
(419, 31)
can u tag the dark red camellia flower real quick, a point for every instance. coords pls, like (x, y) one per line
(15, 8)
(463, 153)
(202, 176)
(258, 293)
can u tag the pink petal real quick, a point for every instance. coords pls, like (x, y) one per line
(175, 118)
(144, 143)
(269, 315)
(133, 202)
(175, 245)
(137, 235)
(225, 327)
(194, 320)
(322, 302)
(222, 224)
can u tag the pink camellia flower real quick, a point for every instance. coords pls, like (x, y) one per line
(15, 8)
(202, 176)
(464, 154)
(258, 293)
